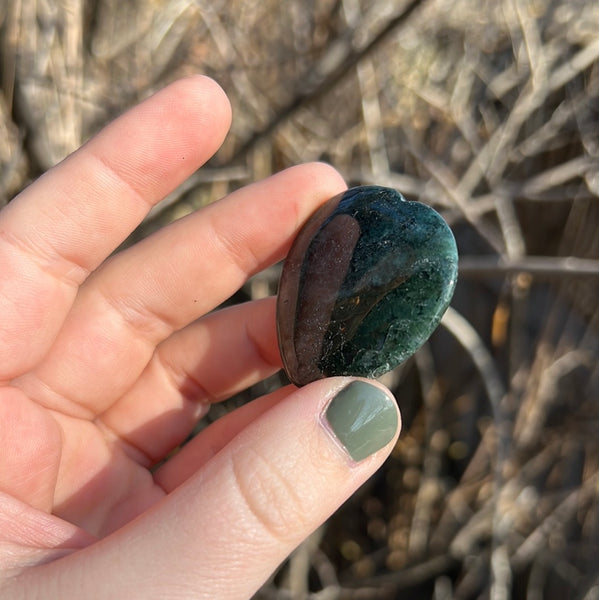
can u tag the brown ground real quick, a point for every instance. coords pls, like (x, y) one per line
(486, 109)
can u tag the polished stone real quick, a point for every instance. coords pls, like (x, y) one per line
(364, 285)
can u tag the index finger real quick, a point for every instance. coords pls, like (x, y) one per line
(66, 223)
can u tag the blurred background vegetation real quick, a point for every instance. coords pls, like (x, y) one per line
(486, 109)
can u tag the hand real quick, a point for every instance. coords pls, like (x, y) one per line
(106, 364)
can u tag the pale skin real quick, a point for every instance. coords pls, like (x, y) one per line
(107, 364)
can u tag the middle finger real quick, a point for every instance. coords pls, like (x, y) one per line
(138, 298)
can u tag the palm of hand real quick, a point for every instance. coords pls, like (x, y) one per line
(106, 365)
(78, 353)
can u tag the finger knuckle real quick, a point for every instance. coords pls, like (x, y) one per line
(270, 496)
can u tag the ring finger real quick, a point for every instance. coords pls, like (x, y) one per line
(207, 361)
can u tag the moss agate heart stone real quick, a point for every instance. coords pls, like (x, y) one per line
(365, 283)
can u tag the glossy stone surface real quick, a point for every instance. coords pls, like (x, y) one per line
(365, 283)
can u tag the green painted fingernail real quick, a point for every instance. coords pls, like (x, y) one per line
(363, 418)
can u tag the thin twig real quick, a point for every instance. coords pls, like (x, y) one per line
(484, 267)
(411, 576)
(469, 339)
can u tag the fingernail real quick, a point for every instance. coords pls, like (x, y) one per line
(363, 419)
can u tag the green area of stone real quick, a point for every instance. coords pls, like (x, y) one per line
(365, 283)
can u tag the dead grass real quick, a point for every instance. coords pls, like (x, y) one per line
(489, 111)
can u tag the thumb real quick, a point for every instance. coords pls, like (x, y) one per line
(227, 527)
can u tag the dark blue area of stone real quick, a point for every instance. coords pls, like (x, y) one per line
(364, 285)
